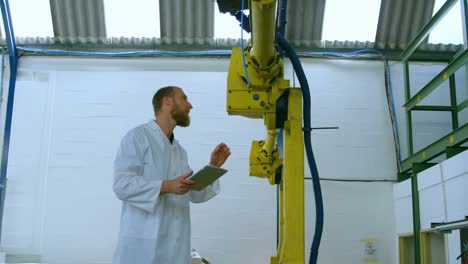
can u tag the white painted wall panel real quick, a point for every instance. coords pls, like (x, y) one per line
(402, 189)
(457, 198)
(431, 206)
(351, 98)
(431, 196)
(404, 215)
(430, 177)
(455, 166)
(345, 228)
(25, 185)
(453, 245)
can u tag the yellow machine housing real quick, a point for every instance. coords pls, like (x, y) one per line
(253, 91)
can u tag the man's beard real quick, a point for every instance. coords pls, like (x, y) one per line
(182, 118)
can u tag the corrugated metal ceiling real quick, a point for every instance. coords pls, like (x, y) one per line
(187, 21)
(191, 23)
(400, 21)
(305, 22)
(78, 21)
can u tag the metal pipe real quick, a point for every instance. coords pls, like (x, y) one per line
(270, 141)
(263, 14)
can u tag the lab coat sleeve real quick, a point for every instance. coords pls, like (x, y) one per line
(204, 195)
(129, 184)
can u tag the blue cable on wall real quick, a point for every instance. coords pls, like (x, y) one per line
(126, 53)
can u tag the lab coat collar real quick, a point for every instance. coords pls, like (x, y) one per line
(154, 126)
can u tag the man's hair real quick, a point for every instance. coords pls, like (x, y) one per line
(160, 94)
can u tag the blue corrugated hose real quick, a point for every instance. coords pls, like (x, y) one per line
(308, 146)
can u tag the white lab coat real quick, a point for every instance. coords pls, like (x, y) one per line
(154, 229)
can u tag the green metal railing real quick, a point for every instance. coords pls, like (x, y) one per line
(454, 140)
(448, 144)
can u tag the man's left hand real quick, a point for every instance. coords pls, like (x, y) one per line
(220, 155)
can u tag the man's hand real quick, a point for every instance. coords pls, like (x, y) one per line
(220, 155)
(179, 185)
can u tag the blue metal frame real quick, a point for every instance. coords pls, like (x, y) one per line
(13, 59)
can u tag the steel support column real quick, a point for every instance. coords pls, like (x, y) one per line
(13, 58)
(453, 101)
(417, 168)
(409, 122)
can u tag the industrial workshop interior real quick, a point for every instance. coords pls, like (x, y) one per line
(347, 124)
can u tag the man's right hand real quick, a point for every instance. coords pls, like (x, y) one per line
(179, 185)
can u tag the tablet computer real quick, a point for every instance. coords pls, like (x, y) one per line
(206, 176)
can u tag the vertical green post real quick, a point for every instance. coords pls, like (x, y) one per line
(416, 217)
(417, 168)
(453, 101)
(409, 122)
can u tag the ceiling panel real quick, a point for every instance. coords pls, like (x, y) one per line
(78, 21)
(187, 21)
(400, 21)
(304, 22)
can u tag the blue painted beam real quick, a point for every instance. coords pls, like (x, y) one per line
(13, 59)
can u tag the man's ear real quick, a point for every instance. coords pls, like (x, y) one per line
(167, 100)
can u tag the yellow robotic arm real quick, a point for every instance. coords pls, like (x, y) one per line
(256, 89)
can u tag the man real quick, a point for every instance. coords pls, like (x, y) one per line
(151, 178)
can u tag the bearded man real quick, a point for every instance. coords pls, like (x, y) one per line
(151, 173)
